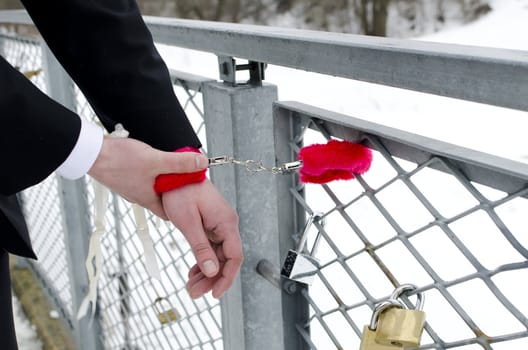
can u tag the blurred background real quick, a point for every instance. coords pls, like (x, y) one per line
(391, 18)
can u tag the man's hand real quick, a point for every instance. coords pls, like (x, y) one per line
(210, 226)
(129, 168)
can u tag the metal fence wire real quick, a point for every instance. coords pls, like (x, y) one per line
(25, 54)
(43, 210)
(415, 221)
(42, 207)
(133, 301)
(128, 295)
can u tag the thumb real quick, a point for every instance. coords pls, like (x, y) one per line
(185, 162)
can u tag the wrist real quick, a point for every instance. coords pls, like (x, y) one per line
(103, 161)
(168, 182)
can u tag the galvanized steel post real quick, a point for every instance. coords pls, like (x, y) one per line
(239, 123)
(2, 46)
(292, 216)
(75, 214)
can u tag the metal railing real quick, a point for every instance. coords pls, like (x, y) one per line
(447, 219)
(437, 240)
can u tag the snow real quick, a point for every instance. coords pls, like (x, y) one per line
(502, 28)
(26, 334)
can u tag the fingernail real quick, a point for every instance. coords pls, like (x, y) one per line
(202, 162)
(193, 295)
(209, 268)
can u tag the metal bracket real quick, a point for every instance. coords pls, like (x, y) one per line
(228, 68)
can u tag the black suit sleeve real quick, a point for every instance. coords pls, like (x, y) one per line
(36, 135)
(108, 51)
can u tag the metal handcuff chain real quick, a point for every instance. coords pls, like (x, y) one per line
(256, 166)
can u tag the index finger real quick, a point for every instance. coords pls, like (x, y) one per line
(229, 273)
(232, 255)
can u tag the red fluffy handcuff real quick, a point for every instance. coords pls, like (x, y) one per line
(321, 163)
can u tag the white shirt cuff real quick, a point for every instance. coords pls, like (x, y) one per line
(85, 152)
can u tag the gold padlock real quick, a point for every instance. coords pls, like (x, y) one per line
(167, 316)
(368, 339)
(400, 326)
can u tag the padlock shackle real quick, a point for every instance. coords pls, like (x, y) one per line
(318, 217)
(158, 302)
(405, 289)
(380, 307)
(314, 216)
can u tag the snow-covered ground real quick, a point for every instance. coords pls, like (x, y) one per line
(26, 334)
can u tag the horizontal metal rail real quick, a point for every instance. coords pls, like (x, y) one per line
(188, 81)
(499, 173)
(15, 17)
(486, 75)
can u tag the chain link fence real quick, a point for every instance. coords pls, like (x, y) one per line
(420, 217)
(42, 207)
(132, 300)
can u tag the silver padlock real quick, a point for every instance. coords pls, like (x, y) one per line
(299, 265)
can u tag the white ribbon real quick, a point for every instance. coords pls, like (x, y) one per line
(94, 260)
(95, 256)
(146, 240)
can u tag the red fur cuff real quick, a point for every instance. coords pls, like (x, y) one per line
(335, 160)
(168, 182)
